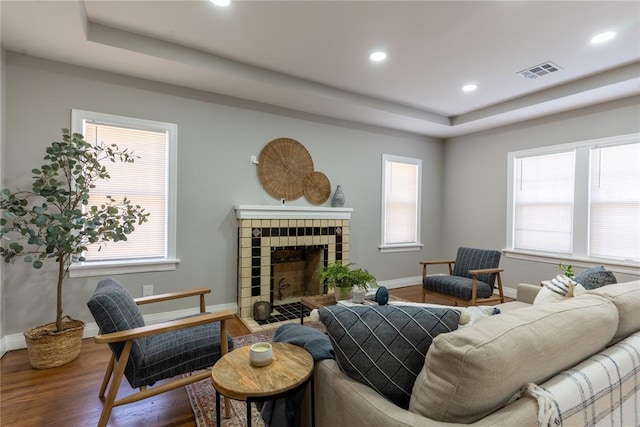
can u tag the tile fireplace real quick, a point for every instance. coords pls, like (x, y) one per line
(280, 249)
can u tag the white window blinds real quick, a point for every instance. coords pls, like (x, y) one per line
(614, 204)
(401, 201)
(144, 182)
(543, 207)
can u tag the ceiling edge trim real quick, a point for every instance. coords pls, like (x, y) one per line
(99, 33)
(618, 75)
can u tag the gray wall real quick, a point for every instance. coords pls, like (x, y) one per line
(217, 136)
(475, 177)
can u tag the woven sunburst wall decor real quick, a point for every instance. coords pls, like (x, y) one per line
(285, 170)
(282, 166)
(316, 188)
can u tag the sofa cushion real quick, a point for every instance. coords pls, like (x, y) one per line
(472, 372)
(595, 277)
(384, 346)
(626, 297)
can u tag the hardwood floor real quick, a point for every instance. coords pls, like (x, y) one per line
(68, 395)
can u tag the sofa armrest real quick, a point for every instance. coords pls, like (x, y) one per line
(346, 402)
(527, 293)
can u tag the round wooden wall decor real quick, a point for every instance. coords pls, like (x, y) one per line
(282, 166)
(316, 188)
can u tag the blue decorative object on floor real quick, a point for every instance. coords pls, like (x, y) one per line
(382, 295)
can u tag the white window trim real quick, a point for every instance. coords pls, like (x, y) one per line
(400, 247)
(615, 266)
(579, 257)
(170, 261)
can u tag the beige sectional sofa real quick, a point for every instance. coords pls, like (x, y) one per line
(504, 369)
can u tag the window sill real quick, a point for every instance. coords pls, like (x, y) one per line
(615, 266)
(106, 268)
(405, 247)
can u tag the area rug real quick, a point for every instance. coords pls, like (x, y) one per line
(203, 399)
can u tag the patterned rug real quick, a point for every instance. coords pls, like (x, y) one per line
(203, 399)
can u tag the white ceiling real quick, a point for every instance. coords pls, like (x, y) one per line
(312, 56)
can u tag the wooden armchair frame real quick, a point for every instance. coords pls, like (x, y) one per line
(116, 368)
(474, 277)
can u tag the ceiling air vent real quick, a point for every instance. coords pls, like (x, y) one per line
(539, 70)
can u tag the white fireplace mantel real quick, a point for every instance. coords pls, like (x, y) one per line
(291, 212)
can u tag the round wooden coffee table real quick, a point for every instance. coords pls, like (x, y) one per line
(235, 377)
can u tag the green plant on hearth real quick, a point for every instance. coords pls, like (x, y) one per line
(339, 275)
(54, 221)
(566, 269)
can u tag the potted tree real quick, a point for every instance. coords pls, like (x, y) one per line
(53, 221)
(342, 279)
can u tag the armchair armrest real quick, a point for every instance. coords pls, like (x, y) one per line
(437, 262)
(175, 295)
(163, 327)
(426, 263)
(486, 271)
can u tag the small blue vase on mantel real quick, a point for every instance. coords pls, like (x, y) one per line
(338, 198)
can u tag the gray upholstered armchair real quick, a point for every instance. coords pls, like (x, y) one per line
(471, 280)
(146, 354)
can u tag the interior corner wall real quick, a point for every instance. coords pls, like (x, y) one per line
(475, 177)
(216, 138)
(2, 141)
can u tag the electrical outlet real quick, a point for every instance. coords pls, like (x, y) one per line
(147, 290)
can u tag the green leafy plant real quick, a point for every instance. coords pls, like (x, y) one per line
(53, 219)
(566, 269)
(338, 275)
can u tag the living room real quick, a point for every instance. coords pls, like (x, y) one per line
(464, 177)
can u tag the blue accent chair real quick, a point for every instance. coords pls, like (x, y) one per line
(471, 280)
(145, 354)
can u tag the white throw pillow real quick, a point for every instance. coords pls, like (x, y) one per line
(558, 289)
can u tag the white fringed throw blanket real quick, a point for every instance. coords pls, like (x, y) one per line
(603, 390)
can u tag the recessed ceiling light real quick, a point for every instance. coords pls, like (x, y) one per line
(378, 56)
(470, 87)
(603, 37)
(222, 3)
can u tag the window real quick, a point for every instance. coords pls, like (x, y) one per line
(577, 201)
(149, 182)
(614, 205)
(544, 202)
(401, 178)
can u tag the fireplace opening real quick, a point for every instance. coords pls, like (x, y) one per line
(294, 272)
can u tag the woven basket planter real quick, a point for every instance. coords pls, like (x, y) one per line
(48, 349)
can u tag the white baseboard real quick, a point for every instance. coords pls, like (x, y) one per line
(16, 341)
(510, 292)
(400, 283)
